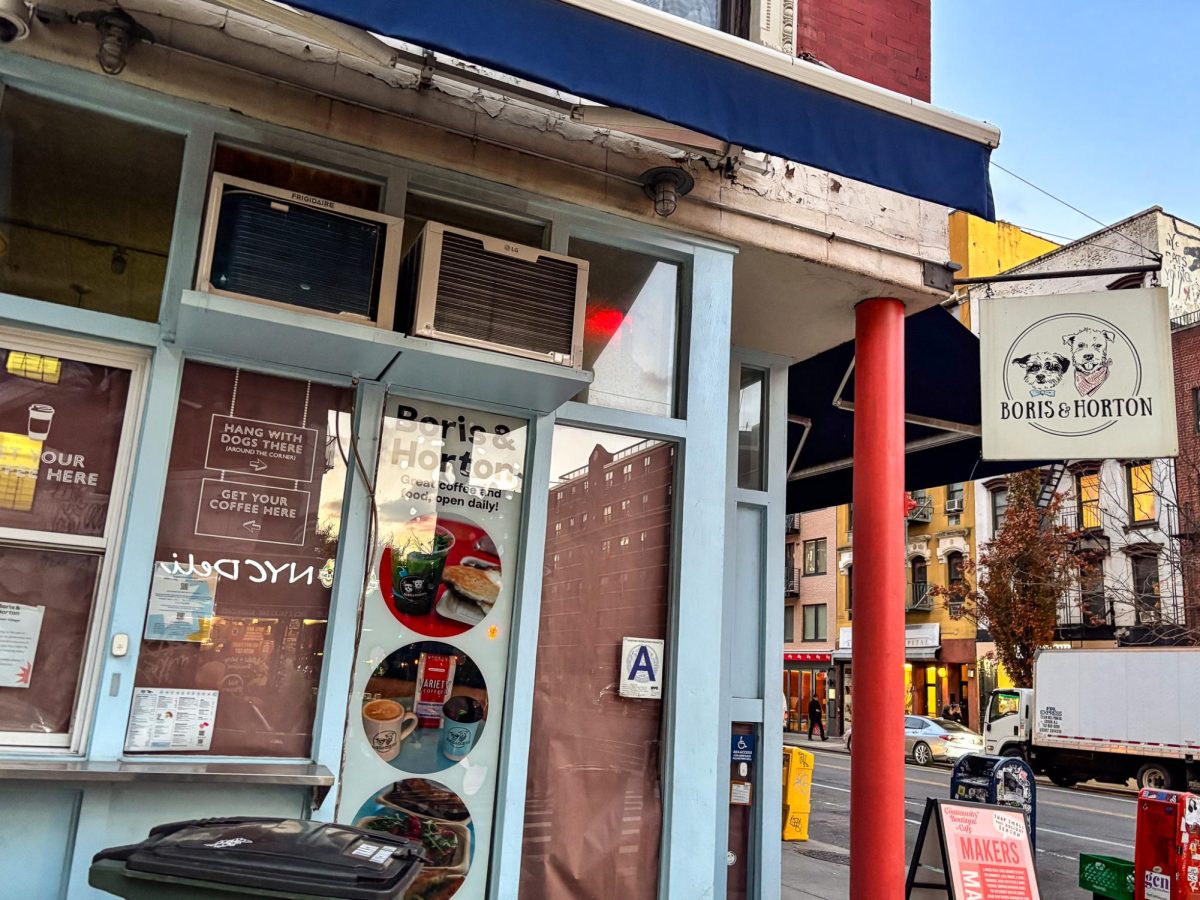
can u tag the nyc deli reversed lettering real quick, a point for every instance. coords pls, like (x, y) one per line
(1067, 376)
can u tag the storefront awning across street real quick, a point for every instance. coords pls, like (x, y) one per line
(661, 66)
(942, 415)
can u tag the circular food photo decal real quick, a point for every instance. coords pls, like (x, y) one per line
(436, 821)
(440, 575)
(424, 707)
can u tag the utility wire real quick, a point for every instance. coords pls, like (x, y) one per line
(1152, 254)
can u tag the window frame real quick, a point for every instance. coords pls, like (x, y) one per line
(820, 561)
(1139, 605)
(819, 634)
(107, 547)
(999, 511)
(1132, 493)
(1083, 505)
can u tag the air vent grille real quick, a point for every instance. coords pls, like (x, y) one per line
(495, 299)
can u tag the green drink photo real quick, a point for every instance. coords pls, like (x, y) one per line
(417, 565)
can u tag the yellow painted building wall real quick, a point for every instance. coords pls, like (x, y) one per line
(988, 248)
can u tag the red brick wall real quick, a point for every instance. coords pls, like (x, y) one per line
(885, 42)
(1185, 351)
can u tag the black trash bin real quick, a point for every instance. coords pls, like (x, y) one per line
(284, 858)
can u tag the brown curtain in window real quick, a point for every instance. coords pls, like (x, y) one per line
(593, 816)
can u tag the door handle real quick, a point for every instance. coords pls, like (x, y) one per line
(1016, 728)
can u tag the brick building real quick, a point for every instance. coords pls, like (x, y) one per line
(1185, 350)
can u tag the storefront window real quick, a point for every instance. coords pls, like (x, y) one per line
(630, 330)
(234, 637)
(427, 702)
(594, 775)
(87, 204)
(62, 435)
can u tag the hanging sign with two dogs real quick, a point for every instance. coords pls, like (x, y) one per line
(1070, 376)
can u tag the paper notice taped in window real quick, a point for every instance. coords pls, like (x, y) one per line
(20, 628)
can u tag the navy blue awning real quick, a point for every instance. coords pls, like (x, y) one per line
(553, 43)
(941, 384)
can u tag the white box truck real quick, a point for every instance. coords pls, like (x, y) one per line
(1107, 715)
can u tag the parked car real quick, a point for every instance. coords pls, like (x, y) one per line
(929, 740)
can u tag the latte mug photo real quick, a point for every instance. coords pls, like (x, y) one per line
(387, 724)
(463, 718)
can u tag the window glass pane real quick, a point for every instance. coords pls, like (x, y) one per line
(1088, 490)
(594, 766)
(703, 12)
(46, 601)
(245, 559)
(1141, 493)
(629, 340)
(822, 614)
(789, 624)
(294, 176)
(60, 430)
(751, 399)
(422, 208)
(87, 204)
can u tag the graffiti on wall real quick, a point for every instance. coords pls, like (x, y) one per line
(1181, 269)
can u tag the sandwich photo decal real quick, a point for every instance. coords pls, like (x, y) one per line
(1077, 375)
(440, 575)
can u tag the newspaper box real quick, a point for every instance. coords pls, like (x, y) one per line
(1000, 780)
(1166, 851)
(797, 791)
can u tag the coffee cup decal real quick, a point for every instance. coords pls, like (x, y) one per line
(387, 724)
(463, 719)
(40, 417)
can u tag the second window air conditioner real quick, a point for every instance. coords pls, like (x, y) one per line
(954, 506)
(494, 294)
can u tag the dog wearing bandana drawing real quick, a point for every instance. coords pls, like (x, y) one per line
(1089, 357)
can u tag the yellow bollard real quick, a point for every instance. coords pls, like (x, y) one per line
(797, 792)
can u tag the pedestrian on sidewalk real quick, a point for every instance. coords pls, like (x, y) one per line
(815, 718)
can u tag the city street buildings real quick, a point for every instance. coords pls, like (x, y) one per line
(350, 381)
(810, 611)
(1127, 511)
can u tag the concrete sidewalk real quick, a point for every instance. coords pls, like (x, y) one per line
(813, 869)
(833, 745)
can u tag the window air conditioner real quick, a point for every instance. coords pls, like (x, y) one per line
(282, 247)
(954, 506)
(491, 293)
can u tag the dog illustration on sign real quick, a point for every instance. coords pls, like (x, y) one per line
(1089, 356)
(1043, 372)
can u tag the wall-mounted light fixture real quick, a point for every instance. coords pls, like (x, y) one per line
(665, 185)
(118, 33)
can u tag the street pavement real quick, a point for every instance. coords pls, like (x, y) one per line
(1070, 821)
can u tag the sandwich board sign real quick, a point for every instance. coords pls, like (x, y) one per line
(972, 851)
(641, 668)
(1070, 376)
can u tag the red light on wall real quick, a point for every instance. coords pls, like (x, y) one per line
(602, 322)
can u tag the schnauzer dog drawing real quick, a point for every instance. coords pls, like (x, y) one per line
(1043, 372)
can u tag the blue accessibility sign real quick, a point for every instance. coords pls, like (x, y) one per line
(742, 748)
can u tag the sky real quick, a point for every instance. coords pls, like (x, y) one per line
(1097, 102)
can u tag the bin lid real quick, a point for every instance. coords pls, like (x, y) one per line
(316, 858)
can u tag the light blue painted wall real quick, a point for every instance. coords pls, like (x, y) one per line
(696, 736)
(37, 834)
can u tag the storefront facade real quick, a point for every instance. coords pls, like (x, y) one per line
(264, 557)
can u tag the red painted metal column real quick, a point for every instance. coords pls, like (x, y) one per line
(877, 747)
